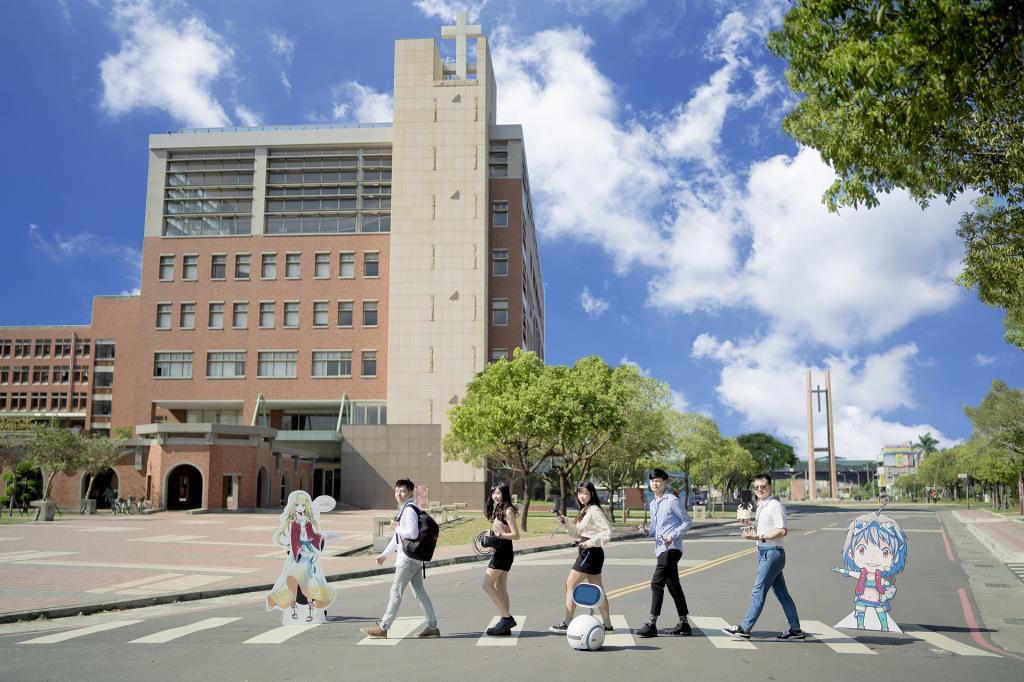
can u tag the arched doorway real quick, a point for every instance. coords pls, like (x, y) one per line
(108, 479)
(284, 489)
(184, 488)
(262, 489)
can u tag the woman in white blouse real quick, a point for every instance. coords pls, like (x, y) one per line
(592, 529)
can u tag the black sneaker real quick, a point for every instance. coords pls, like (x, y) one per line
(502, 629)
(609, 628)
(561, 628)
(737, 632)
(682, 629)
(793, 634)
(648, 630)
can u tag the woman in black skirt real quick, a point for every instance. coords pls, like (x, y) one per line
(502, 515)
(592, 529)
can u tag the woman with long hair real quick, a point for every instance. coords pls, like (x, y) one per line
(593, 531)
(502, 515)
(300, 533)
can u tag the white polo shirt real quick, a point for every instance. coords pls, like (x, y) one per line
(771, 515)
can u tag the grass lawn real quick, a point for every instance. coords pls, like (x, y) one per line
(541, 524)
(6, 520)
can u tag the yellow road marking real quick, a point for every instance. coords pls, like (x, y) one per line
(629, 589)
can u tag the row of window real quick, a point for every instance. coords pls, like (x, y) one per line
(61, 348)
(24, 374)
(345, 313)
(52, 402)
(268, 266)
(271, 364)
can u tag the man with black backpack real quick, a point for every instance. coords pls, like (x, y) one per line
(414, 539)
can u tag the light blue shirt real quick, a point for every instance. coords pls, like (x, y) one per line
(668, 517)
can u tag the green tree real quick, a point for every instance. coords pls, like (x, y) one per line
(98, 455)
(926, 445)
(696, 440)
(503, 423)
(924, 96)
(21, 486)
(940, 469)
(999, 421)
(769, 452)
(55, 450)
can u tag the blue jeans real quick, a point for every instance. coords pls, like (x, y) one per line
(770, 562)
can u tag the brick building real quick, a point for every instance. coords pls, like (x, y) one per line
(314, 298)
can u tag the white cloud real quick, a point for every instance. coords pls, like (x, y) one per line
(982, 360)
(613, 9)
(679, 401)
(165, 65)
(247, 117)
(362, 104)
(765, 381)
(593, 306)
(284, 47)
(64, 247)
(447, 9)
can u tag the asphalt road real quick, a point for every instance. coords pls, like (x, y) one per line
(717, 572)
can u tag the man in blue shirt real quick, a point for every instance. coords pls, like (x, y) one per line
(669, 523)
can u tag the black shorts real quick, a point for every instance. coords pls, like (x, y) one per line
(590, 560)
(502, 557)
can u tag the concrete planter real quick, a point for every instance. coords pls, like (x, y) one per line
(48, 509)
(88, 507)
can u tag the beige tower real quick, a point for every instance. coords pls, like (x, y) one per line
(438, 318)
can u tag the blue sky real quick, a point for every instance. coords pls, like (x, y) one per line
(680, 228)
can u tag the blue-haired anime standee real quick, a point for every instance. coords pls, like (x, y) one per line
(875, 552)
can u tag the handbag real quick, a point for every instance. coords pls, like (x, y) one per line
(489, 539)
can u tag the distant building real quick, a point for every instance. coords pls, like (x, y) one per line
(894, 461)
(314, 299)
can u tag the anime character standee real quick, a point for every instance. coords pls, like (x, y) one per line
(300, 533)
(874, 553)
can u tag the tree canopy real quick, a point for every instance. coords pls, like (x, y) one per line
(927, 97)
(769, 452)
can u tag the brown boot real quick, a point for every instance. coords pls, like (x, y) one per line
(429, 632)
(376, 632)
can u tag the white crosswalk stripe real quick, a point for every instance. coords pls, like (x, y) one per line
(172, 634)
(712, 629)
(399, 630)
(833, 639)
(31, 556)
(176, 584)
(510, 640)
(80, 632)
(281, 634)
(134, 583)
(621, 637)
(941, 641)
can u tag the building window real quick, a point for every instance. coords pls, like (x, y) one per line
(190, 268)
(277, 364)
(103, 380)
(225, 364)
(5, 348)
(499, 214)
(499, 262)
(173, 365)
(38, 403)
(40, 375)
(80, 375)
(59, 402)
(61, 375)
(344, 313)
(268, 266)
(320, 314)
(22, 348)
(101, 408)
(292, 265)
(3, 402)
(347, 265)
(82, 348)
(216, 316)
(369, 363)
(240, 315)
(187, 318)
(78, 402)
(267, 314)
(105, 350)
(4, 375)
(332, 363)
(19, 401)
(369, 313)
(42, 348)
(498, 159)
(499, 312)
(242, 266)
(218, 266)
(371, 264)
(166, 268)
(62, 348)
(322, 268)
(163, 315)
(291, 314)
(365, 412)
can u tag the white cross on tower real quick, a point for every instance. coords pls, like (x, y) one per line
(459, 32)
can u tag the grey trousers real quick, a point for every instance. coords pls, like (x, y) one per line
(409, 572)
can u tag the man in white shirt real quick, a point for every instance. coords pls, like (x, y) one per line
(771, 559)
(407, 569)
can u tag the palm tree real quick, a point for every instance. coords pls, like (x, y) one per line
(926, 445)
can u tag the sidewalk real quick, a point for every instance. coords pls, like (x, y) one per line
(1002, 535)
(86, 564)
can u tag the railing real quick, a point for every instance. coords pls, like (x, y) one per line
(303, 126)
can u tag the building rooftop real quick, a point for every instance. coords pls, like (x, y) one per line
(262, 129)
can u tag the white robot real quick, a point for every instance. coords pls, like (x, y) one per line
(586, 633)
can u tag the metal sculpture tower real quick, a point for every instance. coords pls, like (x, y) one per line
(831, 447)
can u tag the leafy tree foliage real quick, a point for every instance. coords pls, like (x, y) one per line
(99, 454)
(999, 426)
(55, 450)
(926, 96)
(769, 452)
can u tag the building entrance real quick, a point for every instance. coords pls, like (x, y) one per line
(108, 479)
(185, 488)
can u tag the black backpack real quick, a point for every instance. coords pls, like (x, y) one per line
(422, 547)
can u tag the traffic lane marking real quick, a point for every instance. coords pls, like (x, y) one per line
(281, 634)
(833, 639)
(80, 632)
(172, 634)
(134, 583)
(629, 589)
(943, 642)
(399, 630)
(712, 626)
(506, 640)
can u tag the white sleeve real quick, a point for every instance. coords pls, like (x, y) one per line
(779, 515)
(408, 526)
